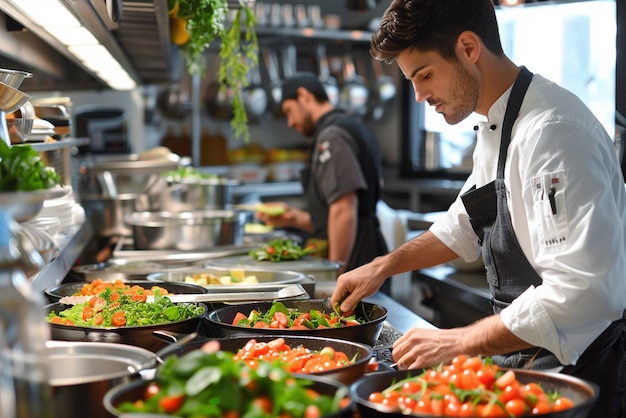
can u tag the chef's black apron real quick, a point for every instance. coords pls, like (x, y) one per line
(370, 242)
(509, 274)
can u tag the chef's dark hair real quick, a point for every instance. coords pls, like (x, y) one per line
(434, 25)
(309, 81)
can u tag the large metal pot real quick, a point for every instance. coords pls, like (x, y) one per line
(186, 231)
(201, 193)
(131, 173)
(81, 373)
(107, 213)
(218, 322)
(584, 394)
(140, 336)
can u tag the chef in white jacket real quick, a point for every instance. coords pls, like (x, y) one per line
(545, 202)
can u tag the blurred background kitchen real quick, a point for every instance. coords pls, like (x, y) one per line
(86, 116)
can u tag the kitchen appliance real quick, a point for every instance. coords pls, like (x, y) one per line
(106, 129)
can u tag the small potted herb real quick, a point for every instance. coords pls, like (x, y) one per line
(195, 24)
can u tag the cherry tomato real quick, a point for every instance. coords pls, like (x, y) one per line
(562, 403)
(171, 403)
(151, 390)
(263, 403)
(516, 407)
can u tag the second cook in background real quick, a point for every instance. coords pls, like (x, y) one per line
(341, 182)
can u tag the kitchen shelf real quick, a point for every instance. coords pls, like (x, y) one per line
(56, 145)
(314, 33)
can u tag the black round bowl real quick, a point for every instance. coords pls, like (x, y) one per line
(133, 391)
(583, 393)
(361, 353)
(140, 336)
(218, 322)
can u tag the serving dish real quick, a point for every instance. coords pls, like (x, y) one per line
(217, 323)
(133, 391)
(321, 269)
(584, 394)
(69, 289)
(140, 336)
(360, 353)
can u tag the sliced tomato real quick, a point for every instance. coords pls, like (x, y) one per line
(97, 303)
(87, 313)
(118, 319)
(238, 317)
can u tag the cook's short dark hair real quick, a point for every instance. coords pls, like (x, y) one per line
(434, 25)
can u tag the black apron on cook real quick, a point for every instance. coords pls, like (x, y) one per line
(509, 274)
(370, 242)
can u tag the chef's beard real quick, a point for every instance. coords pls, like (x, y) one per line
(464, 96)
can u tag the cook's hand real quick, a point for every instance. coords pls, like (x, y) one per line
(282, 220)
(355, 285)
(421, 348)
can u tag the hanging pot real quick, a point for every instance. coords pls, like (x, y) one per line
(219, 99)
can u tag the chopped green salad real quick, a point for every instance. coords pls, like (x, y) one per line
(114, 309)
(281, 249)
(214, 384)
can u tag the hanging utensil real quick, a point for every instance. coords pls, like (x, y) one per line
(255, 96)
(328, 81)
(274, 82)
(353, 94)
(385, 89)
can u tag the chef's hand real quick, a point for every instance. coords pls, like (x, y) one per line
(356, 285)
(283, 219)
(422, 347)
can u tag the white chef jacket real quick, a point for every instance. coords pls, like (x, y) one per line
(579, 251)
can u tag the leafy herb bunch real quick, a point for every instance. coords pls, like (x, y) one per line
(21, 169)
(208, 20)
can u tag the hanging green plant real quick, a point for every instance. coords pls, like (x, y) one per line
(206, 21)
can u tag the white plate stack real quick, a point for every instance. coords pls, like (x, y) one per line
(61, 208)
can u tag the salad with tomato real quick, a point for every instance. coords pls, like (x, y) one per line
(281, 249)
(280, 316)
(115, 307)
(469, 386)
(212, 383)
